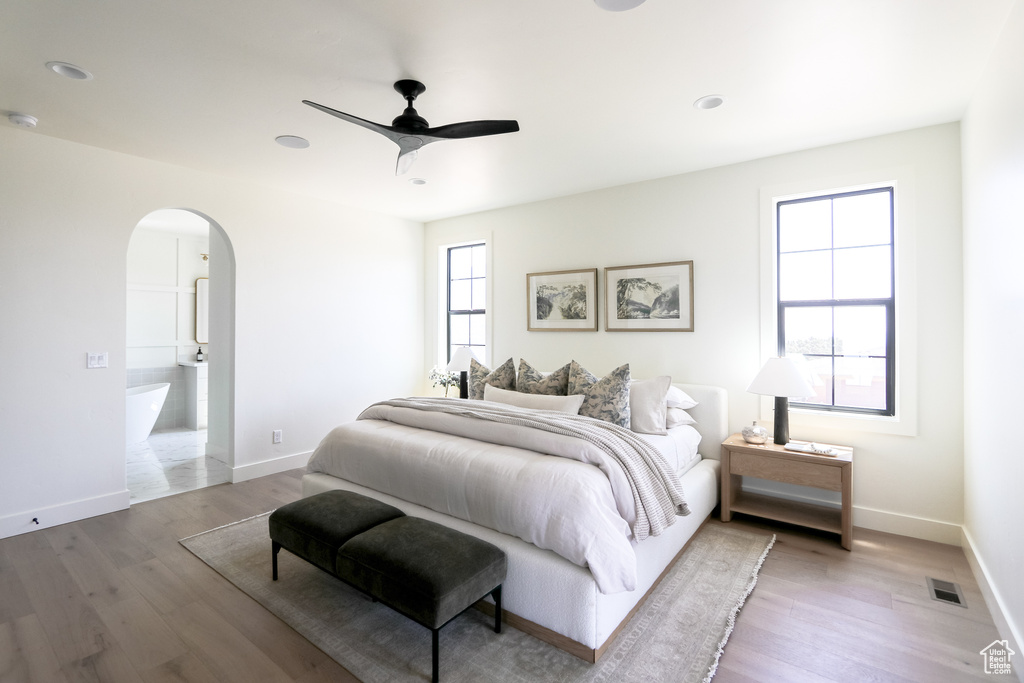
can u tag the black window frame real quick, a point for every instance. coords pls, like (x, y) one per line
(889, 304)
(448, 299)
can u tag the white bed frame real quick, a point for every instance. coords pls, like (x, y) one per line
(557, 601)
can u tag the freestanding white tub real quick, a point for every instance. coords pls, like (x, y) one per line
(142, 407)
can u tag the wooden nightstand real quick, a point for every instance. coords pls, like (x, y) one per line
(770, 461)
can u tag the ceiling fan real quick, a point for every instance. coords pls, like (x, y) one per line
(410, 131)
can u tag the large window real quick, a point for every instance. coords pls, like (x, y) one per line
(836, 301)
(467, 299)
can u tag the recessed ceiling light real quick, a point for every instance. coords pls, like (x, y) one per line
(293, 141)
(418, 181)
(69, 71)
(618, 5)
(709, 102)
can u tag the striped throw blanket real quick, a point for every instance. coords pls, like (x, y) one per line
(656, 490)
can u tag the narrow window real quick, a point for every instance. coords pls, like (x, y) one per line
(836, 297)
(467, 299)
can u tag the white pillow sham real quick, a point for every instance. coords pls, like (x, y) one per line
(647, 405)
(677, 417)
(677, 398)
(561, 404)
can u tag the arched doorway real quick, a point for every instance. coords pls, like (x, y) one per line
(172, 255)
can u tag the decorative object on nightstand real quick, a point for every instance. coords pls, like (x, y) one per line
(754, 434)
(460, 364)
(781, 378)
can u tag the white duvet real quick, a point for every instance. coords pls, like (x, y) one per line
(577, 505)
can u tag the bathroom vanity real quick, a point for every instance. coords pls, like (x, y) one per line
(196, 391)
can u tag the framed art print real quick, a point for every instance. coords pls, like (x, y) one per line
(657, 297)
(564, 300)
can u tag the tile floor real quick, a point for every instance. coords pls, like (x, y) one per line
(171, 461)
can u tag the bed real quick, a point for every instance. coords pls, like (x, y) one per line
(563, 602)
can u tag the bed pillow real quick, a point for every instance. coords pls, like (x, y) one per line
(647, 407)
(533, 381)
(561, 404)
(677, 417)
(604, 399)
(677, 398)
(504, 377)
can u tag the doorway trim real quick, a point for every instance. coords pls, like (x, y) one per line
(222, 312)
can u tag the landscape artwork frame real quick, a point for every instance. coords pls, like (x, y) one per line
(648, 303)
(562, 301)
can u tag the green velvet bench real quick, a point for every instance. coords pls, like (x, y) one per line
(422, 570)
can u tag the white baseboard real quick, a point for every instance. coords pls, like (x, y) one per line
(907, 525)
(1000, 616)
(266, 467)
(55, 515)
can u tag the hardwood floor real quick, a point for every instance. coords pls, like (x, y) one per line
(821, 613)
(117, 598)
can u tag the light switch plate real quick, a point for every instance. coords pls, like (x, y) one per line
(96, 360)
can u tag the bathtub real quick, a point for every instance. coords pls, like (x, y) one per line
(142, 407)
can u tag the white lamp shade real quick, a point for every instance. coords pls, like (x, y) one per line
(460, 360)
(781, 377)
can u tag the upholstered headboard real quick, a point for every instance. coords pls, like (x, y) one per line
(712, 416)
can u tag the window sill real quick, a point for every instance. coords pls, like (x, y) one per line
(852, 422)
(902, 424)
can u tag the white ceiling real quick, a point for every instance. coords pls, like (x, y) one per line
(602, 98)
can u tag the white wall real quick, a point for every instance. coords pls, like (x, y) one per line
(993, 151)
(162, 271)
(328, 318)
(910, 485)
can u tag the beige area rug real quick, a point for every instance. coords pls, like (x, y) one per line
(677, 636)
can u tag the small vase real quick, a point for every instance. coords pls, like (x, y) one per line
(754, 434)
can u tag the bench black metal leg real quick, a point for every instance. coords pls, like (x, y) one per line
(275, 547)
(434, 664)
(496, 593)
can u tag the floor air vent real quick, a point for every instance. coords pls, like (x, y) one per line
(946, 591)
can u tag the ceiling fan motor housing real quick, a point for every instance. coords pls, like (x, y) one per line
(409, 119)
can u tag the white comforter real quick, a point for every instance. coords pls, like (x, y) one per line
(578, 505)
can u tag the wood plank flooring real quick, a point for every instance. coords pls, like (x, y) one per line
(117, 598)
(821, 613)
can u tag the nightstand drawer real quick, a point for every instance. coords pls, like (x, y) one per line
(789, 471)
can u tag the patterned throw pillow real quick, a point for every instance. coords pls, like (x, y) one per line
(533, 381)
(480, 375)
(606, 398)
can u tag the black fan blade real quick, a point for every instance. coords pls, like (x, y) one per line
(411, 138)
(386, 131)
(472, 129)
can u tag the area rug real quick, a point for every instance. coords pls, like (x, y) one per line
(677, 636)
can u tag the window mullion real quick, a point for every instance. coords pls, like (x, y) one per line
(851, 224)
(466, 265)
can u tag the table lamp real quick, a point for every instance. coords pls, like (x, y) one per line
(460, 364)
(781, 378)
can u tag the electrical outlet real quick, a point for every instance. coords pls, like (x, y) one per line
(277, 436)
